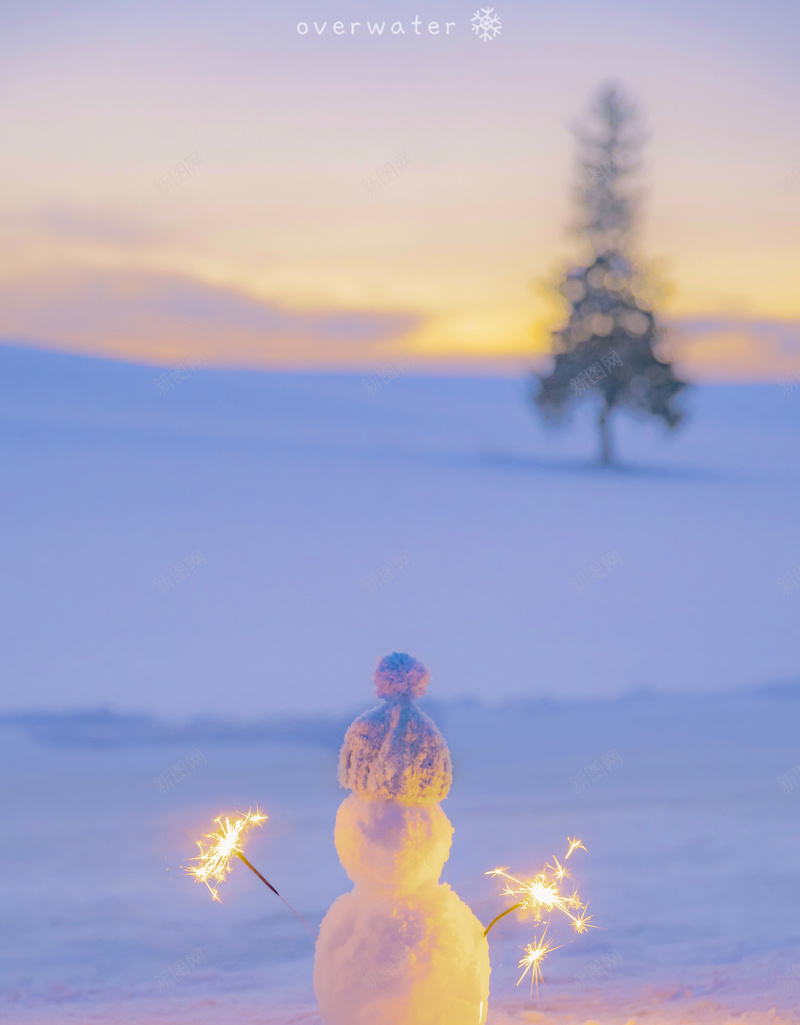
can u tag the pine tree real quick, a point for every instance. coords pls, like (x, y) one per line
(608, 347)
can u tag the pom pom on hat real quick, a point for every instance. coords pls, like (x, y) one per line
(399, 675)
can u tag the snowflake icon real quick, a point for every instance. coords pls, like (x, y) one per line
(486, 24)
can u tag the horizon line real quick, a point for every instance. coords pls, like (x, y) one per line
(508, 367)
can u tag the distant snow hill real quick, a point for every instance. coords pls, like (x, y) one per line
(105, 728)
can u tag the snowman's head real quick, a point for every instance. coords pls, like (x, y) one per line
(395, 752)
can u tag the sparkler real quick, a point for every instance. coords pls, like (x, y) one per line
(215, 859)
(535, 953)
(542, 896)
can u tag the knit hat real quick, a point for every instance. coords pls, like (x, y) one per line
(395, 751)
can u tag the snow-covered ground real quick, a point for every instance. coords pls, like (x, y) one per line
(691, 870)
(229, 559)
(290, 497)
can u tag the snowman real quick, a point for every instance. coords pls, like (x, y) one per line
(400, 948)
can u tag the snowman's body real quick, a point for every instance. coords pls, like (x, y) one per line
(401, 948)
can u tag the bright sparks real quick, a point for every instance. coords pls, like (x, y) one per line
(542, 895)
(215, 859)
(535, 953)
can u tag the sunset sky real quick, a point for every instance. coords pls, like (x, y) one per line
(272, 253)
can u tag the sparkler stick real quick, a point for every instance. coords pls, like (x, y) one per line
(502, 914)
(215, 860)
(269, 884)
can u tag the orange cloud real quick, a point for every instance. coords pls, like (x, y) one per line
(736, 348)
(152, 317)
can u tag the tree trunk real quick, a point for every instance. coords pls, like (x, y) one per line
(606, 456)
